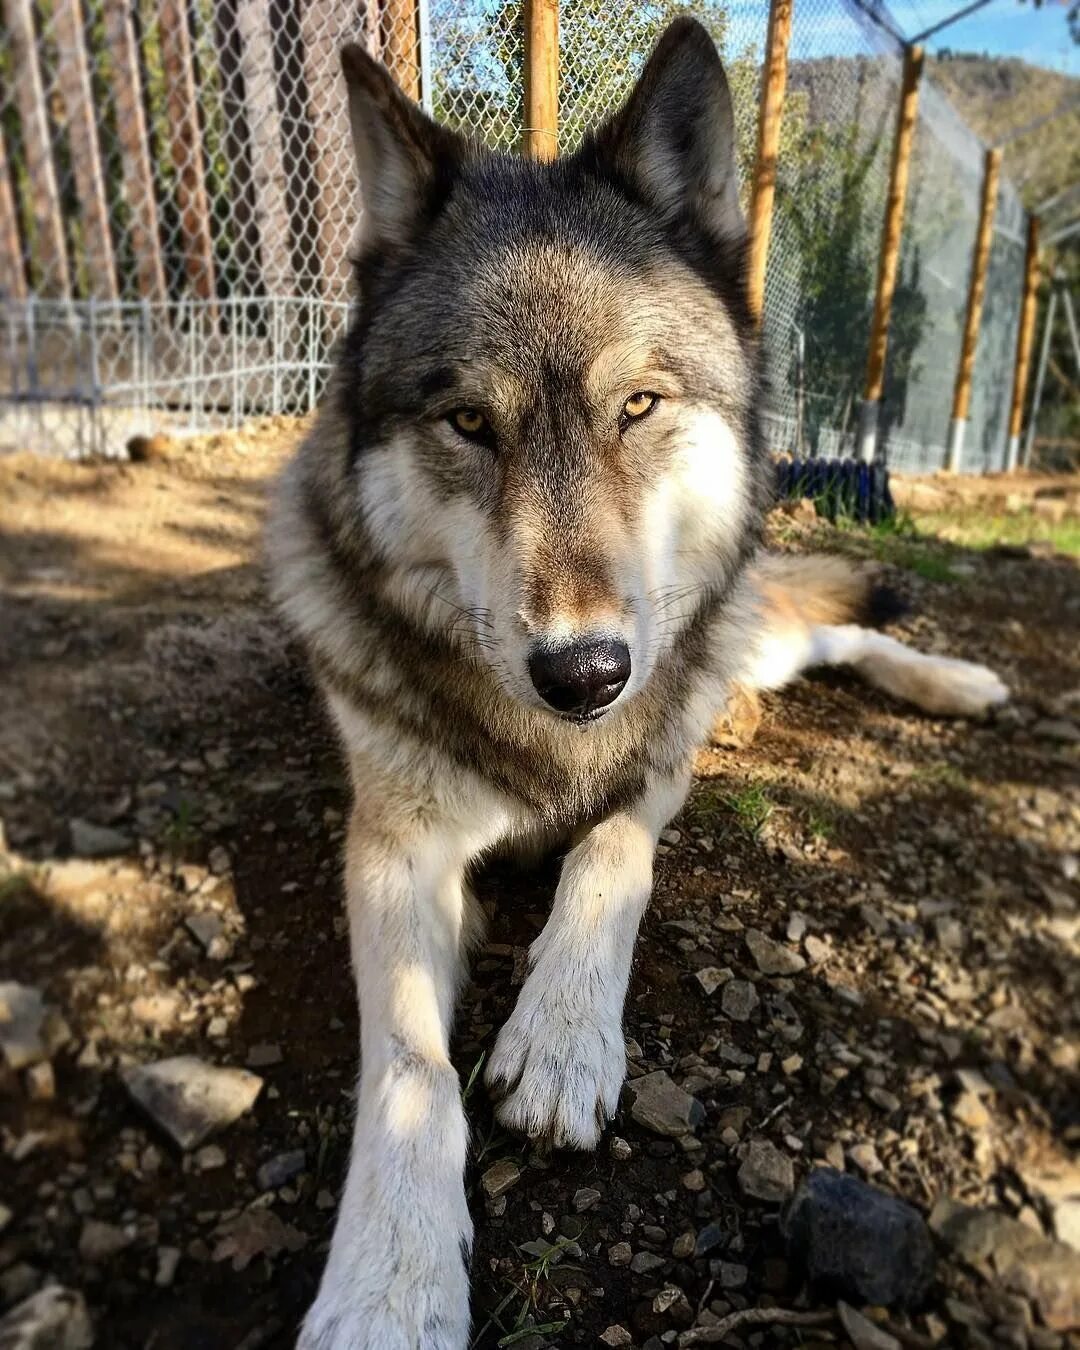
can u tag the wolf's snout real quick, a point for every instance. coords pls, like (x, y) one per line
(581, 677)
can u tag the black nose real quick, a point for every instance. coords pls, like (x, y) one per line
(581, 677)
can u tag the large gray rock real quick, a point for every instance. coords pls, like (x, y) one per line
(96, 841)
(663, 1107)
(772, 957)
(853, 1241)
(191, 1099)
(766, 1173)
(1043, 1271)
(52, 1319)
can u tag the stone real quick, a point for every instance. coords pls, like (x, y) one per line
(40, 1082)
(1042, 1270)
(619, 1149)
(190, 1099)
(280, 1169)
(96, 841)
(817, 950)
(168, 1258)
(100, 1241)
(616, 1335)
(766, 1173)
(683, 1246)
(585, 1198)
(739, 1000)
(772, 957)
(863, 1333)
(209, 1158)
(660, 1105)
(208, 930)
(263, 1056)
(1057, 729)
(733, 1275)
(620, 1254)
(499, 1178)
(711, 978)
(708, 1239)
(22, 1025)
(865, 1158)
(54, 1318)
(646, 1263)
(851, 1240)
(969, 1110)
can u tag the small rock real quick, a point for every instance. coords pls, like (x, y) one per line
(862, 1333)
(620, 1254)
(40, 1082)
(694, 1180)
(99, 1241)
(711, 978)
(208, 930)
(865, 1158)
(168, 1258)
(772, 957)
(280, 1169)
(209, 1158)
(817, 950)
(263, 1056)
(671, 1303)
(853, 1240)
(970, 1111)
(766, 1173)
(659, 1105)
(616, 1335)
(683, 1246)
(1057, 729)
(739, 1000)
(54, 1318)
(645, 1263)
(733, 1275)
(96, 841)
(499, 1178)
(619, 1149)
(190, 1099)
(22, 1025)
(708, 1239)
(585, 1198)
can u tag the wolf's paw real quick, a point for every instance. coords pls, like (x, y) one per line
(558, 1068)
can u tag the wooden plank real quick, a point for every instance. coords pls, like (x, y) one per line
(138, 178)
(73, 78)
(1025, 339)
(540, 134)
(186, 149)
(12, 271)
(264, 129)
(977, 285)
(770, 117)
(894, 223)
(335, 201)
(51, 272)
(401, 44)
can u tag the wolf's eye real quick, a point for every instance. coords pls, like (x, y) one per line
(471, 424)
(637, 406)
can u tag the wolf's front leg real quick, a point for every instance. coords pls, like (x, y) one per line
(560, 1061)
(396, 1277)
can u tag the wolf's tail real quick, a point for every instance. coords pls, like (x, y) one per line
(816, 610)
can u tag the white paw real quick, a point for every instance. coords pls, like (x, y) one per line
(967, 689)
(558, 1066)
(391, 1299)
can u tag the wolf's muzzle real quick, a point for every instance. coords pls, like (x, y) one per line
(581, 678)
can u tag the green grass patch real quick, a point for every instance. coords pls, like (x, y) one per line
(746, 809)
(980, 531)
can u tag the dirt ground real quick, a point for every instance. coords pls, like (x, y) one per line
(924, 872)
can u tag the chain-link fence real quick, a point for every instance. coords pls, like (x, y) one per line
(177, 199)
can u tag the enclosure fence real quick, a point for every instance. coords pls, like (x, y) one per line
(177, 200)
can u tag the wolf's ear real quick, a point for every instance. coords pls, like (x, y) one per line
(405, 161)
(674, 138)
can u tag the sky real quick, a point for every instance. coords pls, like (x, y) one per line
(1002, 28)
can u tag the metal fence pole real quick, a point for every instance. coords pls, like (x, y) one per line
(1040, 378)
(770, 116)
(890, 251)
(540, 134)
(1024, 337)
(976, 291)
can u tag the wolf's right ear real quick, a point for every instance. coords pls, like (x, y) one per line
(673, 140)
(406, 162)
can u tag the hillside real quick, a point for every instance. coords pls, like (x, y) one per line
(997, 97)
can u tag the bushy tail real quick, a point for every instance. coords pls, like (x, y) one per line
(815, 610)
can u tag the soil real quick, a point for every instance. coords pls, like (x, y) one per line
(147, 689)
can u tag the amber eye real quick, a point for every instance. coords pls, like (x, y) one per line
(471, 424)
(639, 405)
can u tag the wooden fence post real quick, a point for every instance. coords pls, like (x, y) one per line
(770, 116)
(1024, 341)
(12, 273)
(890, 250)
(51, 273)
(134, 150)
(181, 101)
(540, 134)
(400, 27)
(976, 290)
(73, 79)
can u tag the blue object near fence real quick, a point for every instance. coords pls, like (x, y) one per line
(838, 487)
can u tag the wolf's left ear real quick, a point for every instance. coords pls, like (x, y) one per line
(674, 138)
(405, 161)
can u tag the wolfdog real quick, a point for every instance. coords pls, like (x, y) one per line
(521, 546)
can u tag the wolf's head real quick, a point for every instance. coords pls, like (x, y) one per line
(550, 387)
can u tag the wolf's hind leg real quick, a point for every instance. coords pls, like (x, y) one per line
(396, 1275)
(560, 1061)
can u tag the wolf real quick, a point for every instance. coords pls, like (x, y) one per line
(521, 546)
